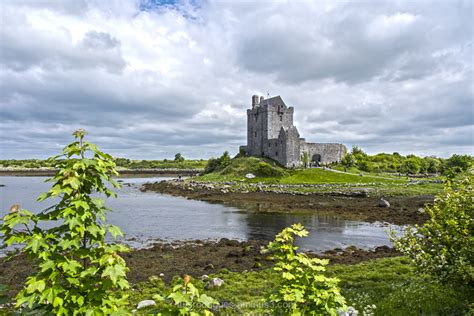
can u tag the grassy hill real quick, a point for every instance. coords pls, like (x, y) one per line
(269, 171)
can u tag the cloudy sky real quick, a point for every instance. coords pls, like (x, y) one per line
(148, 79)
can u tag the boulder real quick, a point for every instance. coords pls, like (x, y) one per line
(204, 277)
(351, 311)
(250, 176)
(215, 282)
(384, 203)
(145, 303)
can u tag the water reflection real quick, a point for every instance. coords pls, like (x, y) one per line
(149, 216)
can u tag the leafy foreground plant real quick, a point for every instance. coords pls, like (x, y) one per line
(78, 271)
(303, 289)
(444, 245)
(186, 300)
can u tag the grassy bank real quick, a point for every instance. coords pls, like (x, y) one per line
(321, 180)
(389, 284)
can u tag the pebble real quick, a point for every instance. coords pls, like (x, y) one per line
(215, 282)
(145, 303)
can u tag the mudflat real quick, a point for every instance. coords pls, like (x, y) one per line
(403, 210)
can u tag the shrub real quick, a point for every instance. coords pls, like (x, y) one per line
(185, 299)
(348, 161)
(457, 164)
(433, 165)
(266, 170)
(411, 165)
(212, 165)
(224, 160)
(364, 165)
(444, 245)
(303, 289)
(77, 271)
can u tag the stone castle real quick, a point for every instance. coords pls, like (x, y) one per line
(271, 134)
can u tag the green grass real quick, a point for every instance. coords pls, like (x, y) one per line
(268, 171)
(315, 176)
(390, 284)
(324, 180)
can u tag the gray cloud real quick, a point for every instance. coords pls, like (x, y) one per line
(148, 81)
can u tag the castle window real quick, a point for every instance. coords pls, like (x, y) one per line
(281, 118)
(276, 153)
(255, 134)
(269, 144)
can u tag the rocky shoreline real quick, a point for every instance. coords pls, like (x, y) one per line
(354, 203)
(196, 258)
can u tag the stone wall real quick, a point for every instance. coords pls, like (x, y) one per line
(328, 152)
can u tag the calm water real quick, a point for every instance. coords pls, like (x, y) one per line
(145, 217)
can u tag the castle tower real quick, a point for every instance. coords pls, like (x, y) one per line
(264, 122)
(271, 134)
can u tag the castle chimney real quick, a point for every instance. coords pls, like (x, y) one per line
(261, 99)
(255, 101)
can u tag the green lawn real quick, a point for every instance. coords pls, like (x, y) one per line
(378, 184)
(390, 284)
(267, 171)
(316, 175)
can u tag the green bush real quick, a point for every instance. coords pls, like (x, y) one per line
(266, 170)
(348, 161)
(411, 165)
(185, 299)
(364, 165)
(303, 289)
(457, 164)
(78, 273)
(444, 245)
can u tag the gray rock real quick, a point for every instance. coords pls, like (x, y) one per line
(204, 277)
(384, 203)
(351, 311)
(145, 303)
(210, 266)
(250, 176)
(215, 282)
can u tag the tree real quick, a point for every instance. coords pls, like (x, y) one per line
(303, 289)
(348, 161)
(78, 272)
(178, 158)
(444, 245)
(433, 164)
(411, 165)
(357, 151)
(457, 164)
